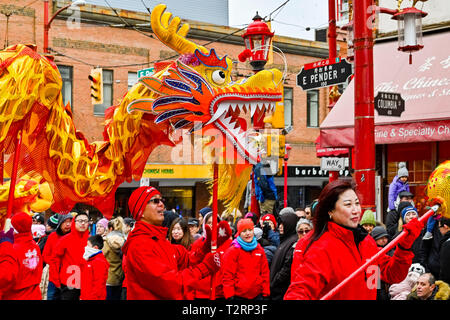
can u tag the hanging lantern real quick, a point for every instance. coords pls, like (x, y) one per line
(348, 28)
(257, 40)
(409, 30)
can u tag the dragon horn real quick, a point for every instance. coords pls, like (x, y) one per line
(170, 34)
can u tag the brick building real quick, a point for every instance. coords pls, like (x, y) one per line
(121, 43)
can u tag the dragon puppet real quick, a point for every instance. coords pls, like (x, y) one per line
(193, 93)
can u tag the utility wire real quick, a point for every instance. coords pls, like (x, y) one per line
(126, 22)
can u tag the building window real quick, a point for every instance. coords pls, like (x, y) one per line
(67, 79)
(99, 109)
(312, 108)
(132, 79)
(288, 103)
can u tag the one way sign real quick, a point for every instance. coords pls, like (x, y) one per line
(332, 163)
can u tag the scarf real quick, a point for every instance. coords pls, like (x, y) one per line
(246, 246)
(89, 252)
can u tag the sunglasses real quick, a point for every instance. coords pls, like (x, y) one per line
(303, 231)
(157, 200)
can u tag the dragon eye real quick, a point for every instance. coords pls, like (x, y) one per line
(218, 76)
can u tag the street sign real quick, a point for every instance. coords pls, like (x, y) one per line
(145, 72)
(389, 104)
(324, 73)
(332, 163)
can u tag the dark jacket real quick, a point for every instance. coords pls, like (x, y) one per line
(280, 270)
(444, 273)
(429, 252)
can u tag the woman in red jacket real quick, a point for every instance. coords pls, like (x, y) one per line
(28, 262)
(339, 246)
(246, 272)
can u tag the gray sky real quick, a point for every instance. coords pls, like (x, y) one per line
(291, 20)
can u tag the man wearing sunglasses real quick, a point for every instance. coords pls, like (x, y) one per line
(154, 268)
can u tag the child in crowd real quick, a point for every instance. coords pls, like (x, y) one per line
(95, 271)
(246, 272)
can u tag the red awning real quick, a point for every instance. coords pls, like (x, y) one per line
(329, 152)
(424, 85)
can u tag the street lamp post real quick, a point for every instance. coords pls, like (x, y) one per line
(48, 22)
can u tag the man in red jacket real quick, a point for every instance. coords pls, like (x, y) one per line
(63, 227)
(68, 257)
(156, 269)
(94, 273)
(27, 260)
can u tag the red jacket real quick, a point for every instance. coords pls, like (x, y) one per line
(245, 274)
(28, 258)
(94, 274)
(155, 269)
(333, 257)
(68, 258)
(202, 289)
(8, 267)
(48, 255)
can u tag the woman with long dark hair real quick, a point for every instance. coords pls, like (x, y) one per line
(179, 233)
(338, 246)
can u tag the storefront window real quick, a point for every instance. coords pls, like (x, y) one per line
(179, 198)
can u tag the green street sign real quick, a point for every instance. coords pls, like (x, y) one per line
(145, 72)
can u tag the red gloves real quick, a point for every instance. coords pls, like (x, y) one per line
(413, 230)
(212, 262)
(223, 234)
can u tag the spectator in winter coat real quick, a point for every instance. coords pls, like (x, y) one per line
(398, 184)
(400, 291)
(94, 271)
(394, 217)
(112, 250)
(50, 226)
(102, 227)
(245, 268)
(280, 269)
(428, 288)
(407, 214)
(155, 269)
(368, 221)
(26, 263)
(68, 257)
(63, 227)
(339, 245)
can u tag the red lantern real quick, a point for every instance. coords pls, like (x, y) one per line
(257, 40)
(409, 29)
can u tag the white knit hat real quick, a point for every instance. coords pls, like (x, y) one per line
(402, 171)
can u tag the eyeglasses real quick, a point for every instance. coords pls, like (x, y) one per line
(82, 221)
(301, 231)
(157, 200)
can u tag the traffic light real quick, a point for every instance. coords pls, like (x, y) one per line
(96, 78)
(276, 119)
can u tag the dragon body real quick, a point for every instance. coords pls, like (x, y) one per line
(194, 93)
